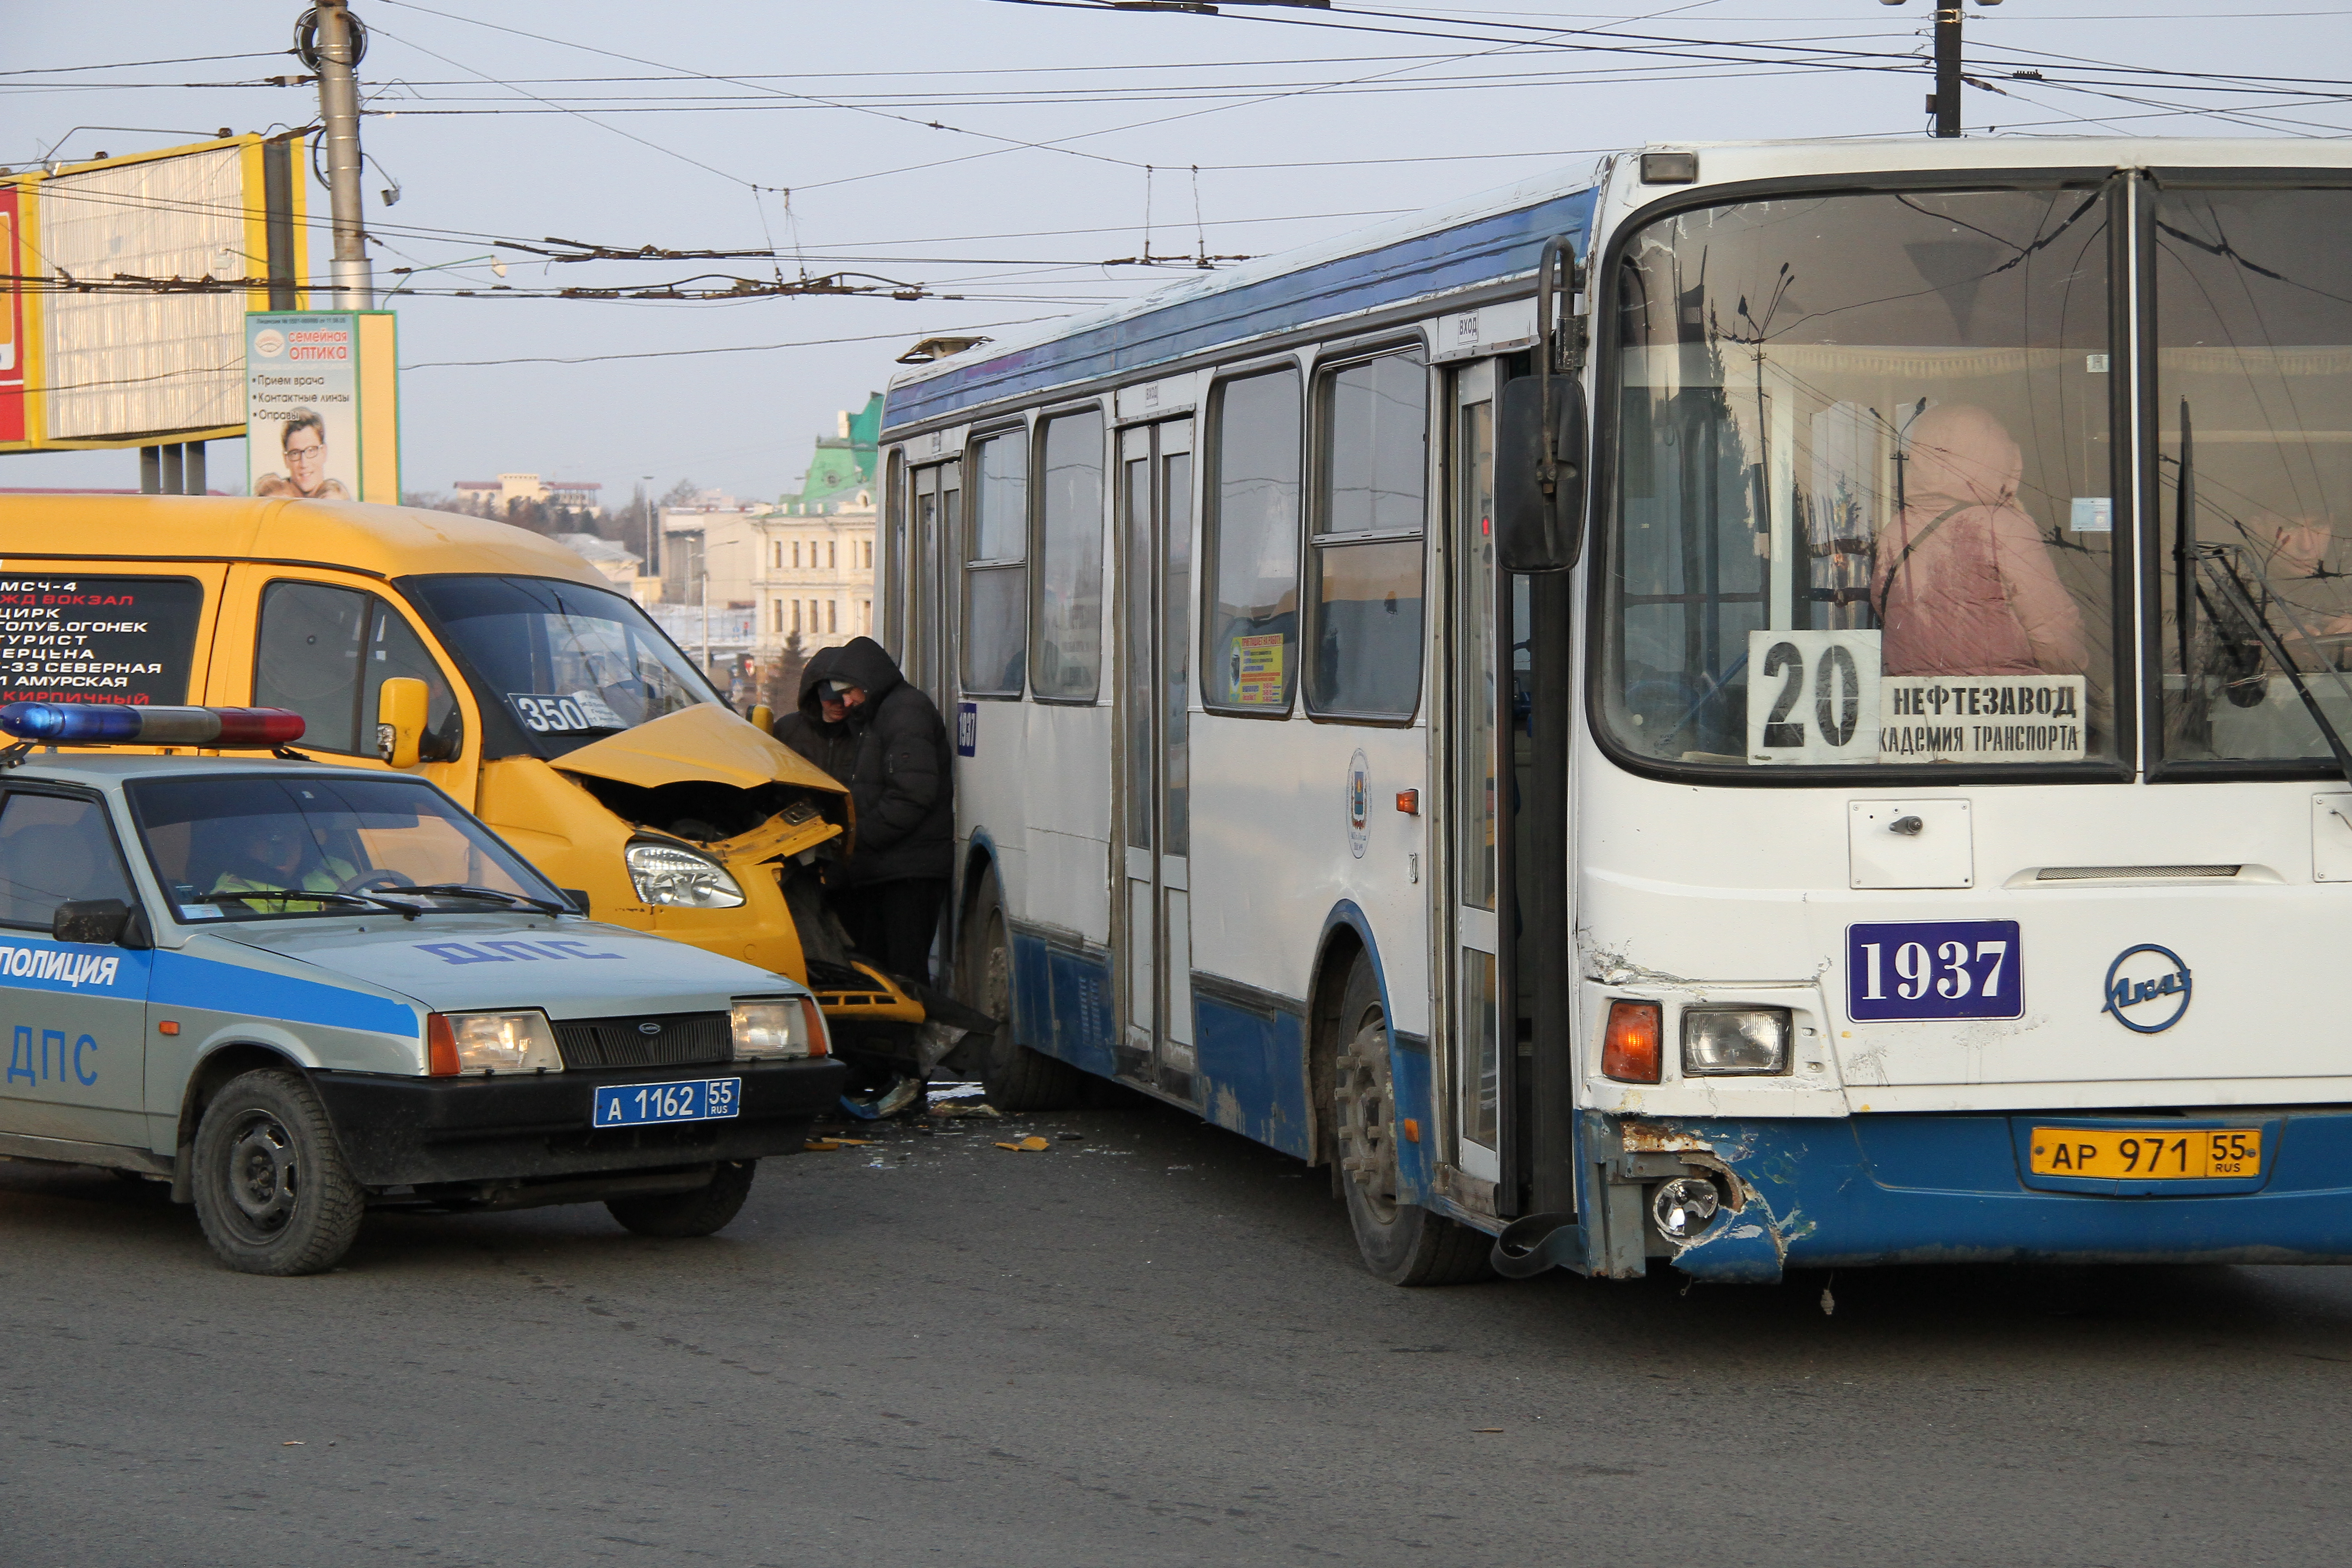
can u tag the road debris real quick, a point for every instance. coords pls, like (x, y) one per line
(827, 1145)
(977, 1107)
(1032, 1144)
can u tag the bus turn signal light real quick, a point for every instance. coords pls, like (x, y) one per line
(1630, 1052)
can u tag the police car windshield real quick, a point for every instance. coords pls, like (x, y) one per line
(561, 662)
(245, 848)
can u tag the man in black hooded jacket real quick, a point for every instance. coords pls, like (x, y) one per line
(819, 729)
(903, 786)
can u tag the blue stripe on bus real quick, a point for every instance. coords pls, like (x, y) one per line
(1507, 245)
(1063, 1004)
(183, 981)
(1854, 1190)
(1250, 1068)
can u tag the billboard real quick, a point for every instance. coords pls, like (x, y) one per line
(321, 404)
(110, 344)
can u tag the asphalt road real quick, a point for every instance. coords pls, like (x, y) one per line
(1151, 1345)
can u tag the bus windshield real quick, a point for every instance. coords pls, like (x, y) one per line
(566, 662)
(1864, 479)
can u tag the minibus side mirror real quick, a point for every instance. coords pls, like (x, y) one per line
(99, 922)
(763, 718)
(400, 719)
(1537, 530)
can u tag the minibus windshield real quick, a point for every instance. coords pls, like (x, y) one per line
(566, 663)
(234, 849)
(1863, 499)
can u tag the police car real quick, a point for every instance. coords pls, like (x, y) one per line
(300, 991)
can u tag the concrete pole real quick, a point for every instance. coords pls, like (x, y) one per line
(1948, 70)
(338, 109)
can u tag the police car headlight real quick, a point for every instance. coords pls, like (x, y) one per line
(777, 1028)
(1727, 1041)
(666, 874)
(491, 1042)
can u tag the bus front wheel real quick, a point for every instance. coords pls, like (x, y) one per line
(1402, 1243)
(1013, 1077)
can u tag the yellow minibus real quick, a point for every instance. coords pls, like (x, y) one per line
(487, 658)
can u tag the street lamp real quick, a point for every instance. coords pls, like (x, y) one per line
(1944, 103)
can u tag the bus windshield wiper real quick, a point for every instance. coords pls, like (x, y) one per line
(468, 891)
(2214, 561)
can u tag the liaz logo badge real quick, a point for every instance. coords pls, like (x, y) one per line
(2147, 988)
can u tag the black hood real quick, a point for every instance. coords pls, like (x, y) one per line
(861, 662)
(819, 667)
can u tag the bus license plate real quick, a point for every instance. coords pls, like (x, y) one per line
(697, 1099)
(2149, 1153)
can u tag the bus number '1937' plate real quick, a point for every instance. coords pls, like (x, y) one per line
(697, 1099)
(1909, 970)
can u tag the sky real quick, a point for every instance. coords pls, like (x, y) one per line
(1005, 153)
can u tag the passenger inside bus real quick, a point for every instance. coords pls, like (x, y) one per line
(1964, 582)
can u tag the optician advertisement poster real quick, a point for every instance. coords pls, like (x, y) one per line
(322, 409)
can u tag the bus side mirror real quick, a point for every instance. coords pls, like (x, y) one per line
(400, 719)
(1536, 530)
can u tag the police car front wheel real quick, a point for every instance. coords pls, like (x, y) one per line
(272, 1192)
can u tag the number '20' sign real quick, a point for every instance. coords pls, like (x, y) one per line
(1812, 697)
(1910, 970)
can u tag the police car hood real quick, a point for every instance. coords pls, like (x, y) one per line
(572, 969)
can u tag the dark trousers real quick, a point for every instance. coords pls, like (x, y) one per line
(891, 923)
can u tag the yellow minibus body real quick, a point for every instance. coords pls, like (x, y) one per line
(234, 602)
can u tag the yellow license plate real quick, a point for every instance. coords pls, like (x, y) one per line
(2149, 1153)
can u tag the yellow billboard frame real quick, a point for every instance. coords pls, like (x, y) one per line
(252, 153)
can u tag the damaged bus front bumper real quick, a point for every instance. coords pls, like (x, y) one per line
(1855, 1191)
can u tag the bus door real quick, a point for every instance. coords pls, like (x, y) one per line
(1476, 770)
(938, 489)
(1155, 621)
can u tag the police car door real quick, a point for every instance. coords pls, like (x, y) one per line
(73, 1016)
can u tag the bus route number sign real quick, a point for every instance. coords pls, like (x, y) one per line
(1905, 972)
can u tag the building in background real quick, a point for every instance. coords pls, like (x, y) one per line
(498, 498)
(620, 567)
(785, 579)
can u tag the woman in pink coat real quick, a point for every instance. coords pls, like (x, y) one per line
(1964, 584)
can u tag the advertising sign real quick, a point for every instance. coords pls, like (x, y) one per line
(12, 322)
(322, 406)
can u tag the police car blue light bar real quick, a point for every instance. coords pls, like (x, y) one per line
(102, 724)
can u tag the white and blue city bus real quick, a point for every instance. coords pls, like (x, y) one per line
(1823, 746)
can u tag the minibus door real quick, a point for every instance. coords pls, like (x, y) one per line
(1155, 617)
(1480, 721)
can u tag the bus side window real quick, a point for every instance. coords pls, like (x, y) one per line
(1251, 643)
(1068, 654)
(1373, 472)
(308, 659)
(996, 573)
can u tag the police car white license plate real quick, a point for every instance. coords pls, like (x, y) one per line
(697, 1099)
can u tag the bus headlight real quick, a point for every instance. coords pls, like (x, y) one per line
(1724, 1041)
(777, 1028)
(491, 1042)
(667, 874)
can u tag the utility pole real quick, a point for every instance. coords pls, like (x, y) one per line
(337, 46)
(1944, 103)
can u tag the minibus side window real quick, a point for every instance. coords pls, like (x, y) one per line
(54, 848)
(310, 660)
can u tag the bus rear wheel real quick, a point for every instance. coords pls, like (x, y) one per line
(1402, 1243)
(1013, 1077)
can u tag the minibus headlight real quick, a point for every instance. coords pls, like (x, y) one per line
(491, 1042)
(777, 1028)
(1723, 1041)
(666, 874)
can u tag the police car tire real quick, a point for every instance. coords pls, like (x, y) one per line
(327, 1205)
(1012, 1076)
(674, 1215)
(1409, 1246)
